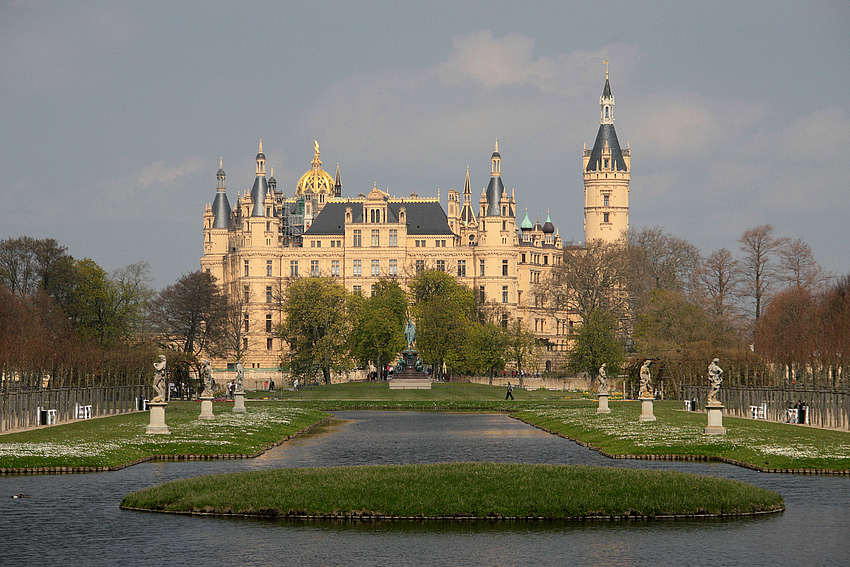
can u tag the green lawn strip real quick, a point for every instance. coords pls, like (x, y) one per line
(763, 444)
(457, 490)
(439, 392)
(121, 439)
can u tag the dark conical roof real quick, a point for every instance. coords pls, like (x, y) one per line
(258, 195)
(606, 135)
(221, 210)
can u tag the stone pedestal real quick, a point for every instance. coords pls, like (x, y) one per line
(410, 378)
(157, 425)
(206, 408)
(715, 419)
(646, 409)
(603, 404)
(239, 402)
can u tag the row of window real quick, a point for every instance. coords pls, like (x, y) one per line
(441, 264)
(357, 239)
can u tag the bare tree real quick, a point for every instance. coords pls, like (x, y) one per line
(759, 246)
(658, 261)
(587, 279)
(798, 267)
(716, 285)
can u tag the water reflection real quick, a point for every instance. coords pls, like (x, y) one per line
(75, 518)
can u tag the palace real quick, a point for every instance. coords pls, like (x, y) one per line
(267, 238)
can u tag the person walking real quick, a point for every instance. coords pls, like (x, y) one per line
(509, 394)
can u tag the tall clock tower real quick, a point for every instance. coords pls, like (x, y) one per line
(607, 171)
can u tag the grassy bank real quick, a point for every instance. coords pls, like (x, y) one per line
(121, 439)
(116, 440)
(458, 490)
(759, 443)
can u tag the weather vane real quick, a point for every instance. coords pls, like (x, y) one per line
(606, 69)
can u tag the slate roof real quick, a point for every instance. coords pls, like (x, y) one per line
(607, 135)
(221, 210)
(422, 218)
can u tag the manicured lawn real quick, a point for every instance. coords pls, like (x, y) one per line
(121, 439)
(761, 443)
(439, 392)
(458, 490)
(113, 441)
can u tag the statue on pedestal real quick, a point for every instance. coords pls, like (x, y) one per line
(645, 381)
(603, 380)
(240, 376)
(410, 333)
(159, 379)
(715, 379)
(206, 378)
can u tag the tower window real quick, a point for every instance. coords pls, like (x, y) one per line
(606, 217)
(606, 200)
(268, 323)
(504, 267)
(268, 267)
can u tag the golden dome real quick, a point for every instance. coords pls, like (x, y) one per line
(316, 181)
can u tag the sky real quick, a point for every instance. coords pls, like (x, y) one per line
(115, 115)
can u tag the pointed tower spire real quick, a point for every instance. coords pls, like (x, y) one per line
(220, 205)
(496, 188)
(261, 186)
(337, 183)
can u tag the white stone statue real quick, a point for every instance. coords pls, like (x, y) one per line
(603, 379)
(240, 377)
(159, 379)
(715, 378)
(645, 381)
(206, 378)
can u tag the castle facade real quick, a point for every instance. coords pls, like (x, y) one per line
(267, 238)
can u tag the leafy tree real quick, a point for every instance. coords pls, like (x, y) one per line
(487, 349)
(444, 310)
(28, 264)
(378, 331)
(596, 343)
(316, 327)
(522, 346)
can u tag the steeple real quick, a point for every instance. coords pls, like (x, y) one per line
(337, 183)
(467, 214)
(495, 188)
(220, 205)
(606, 138)
(261, 186)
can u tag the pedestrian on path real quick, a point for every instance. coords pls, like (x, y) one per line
(510, 392)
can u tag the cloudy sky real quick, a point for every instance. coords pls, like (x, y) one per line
(115, 114)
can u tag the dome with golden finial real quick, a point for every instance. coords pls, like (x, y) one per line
(316, 181)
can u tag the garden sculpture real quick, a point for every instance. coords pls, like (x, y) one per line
(645, 380)
(715, 378)
(159, 379)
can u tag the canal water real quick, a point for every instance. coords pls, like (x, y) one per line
(75, 519)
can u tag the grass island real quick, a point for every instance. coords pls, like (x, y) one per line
(458, 491)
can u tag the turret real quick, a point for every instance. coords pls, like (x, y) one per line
(607, 173)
